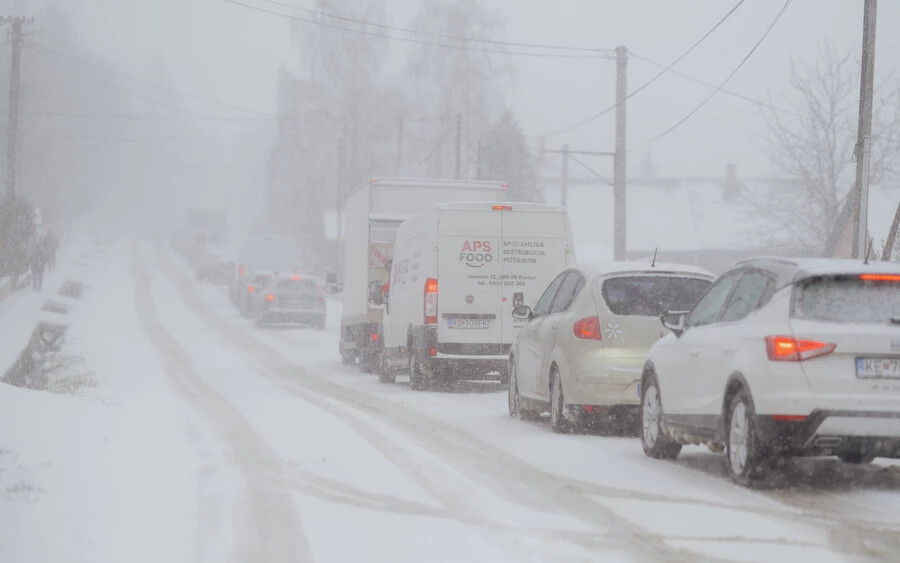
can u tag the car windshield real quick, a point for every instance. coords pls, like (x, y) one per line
(651, 296)
(847, 300)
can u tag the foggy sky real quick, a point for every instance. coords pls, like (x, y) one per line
(232, 54)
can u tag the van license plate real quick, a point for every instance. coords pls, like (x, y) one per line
(467, 323)
(878, 367)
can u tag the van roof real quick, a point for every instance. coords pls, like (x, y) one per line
(491, 205)
(643, 267)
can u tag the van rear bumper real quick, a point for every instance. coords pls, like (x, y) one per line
(458, 361)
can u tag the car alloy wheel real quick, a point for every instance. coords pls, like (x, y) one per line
(738, 439)
(747, 460)
(650, 415)
(655, 442)
(513, 391)
(558, 422)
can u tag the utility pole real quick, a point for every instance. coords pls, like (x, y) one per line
(620, 168)
(864, 134)
(564, 185)
(458, 144)
(15, 38)
(399, 145)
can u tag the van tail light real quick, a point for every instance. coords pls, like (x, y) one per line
(788, 349)
(502, 208)
(251, 289)
(587, 329)
(270, 298)
(431, 301)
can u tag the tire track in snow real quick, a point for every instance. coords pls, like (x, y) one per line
(275, 532)
(505, 475)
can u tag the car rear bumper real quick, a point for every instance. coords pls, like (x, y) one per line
(609, 391)
(826, 432)
(462, 361)
(286, 315)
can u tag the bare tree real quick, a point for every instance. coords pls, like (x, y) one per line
(812, 140)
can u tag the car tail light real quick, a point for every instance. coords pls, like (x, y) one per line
(502, 208)
(250, 289)
(432, 351)
(880, 277)
(295, 278)
(789, 417)
(374, 337)
(587, 328)
(270, 298)
(788, 349)
(241, 271)
(431, 301)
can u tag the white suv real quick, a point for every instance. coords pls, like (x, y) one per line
(780, 358)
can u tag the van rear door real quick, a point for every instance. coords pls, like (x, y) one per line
(469, 291)
(534, 249)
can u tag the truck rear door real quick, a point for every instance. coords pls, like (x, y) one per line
(469, 273)
(533, 250)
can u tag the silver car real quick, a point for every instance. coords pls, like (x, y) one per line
(287, 298)
(582, 349)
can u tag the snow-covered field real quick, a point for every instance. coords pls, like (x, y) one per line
(200, 437)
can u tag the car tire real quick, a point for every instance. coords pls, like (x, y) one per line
(746, 459)
(385, 373)
(417, 380)
(856, 459)
(558, 421)
(653, 437)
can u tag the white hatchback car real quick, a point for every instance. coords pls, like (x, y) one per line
(582, 349)
(780, 358)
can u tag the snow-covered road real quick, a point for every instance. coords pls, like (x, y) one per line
(209, 439)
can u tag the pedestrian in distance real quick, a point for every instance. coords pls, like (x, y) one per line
(51, 245)
(38, 263)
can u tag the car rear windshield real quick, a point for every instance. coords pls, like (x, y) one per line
(847, 300)
(651, 296)
(305, 287)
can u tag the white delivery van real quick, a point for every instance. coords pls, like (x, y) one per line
(372, 215)
(459, 270)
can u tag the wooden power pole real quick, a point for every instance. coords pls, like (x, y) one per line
(864, 134)
(15, 39)
(620, 168)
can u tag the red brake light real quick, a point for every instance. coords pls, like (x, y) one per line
(785, 348)
(432, 351)
(880, 277)
(789, 417)
(241, 271)
(502, 208)
(295, 278)
(374, 337)
(250, 289)
(270, 298)
(431, 301)
(587, 328)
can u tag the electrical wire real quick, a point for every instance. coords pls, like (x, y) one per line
(438, 35)
(589, 169)
(722, 84)
(48, 51)
(598, 55)
(652, 80)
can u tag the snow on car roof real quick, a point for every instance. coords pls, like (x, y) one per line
(622, 267)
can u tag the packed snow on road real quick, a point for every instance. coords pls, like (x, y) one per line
(449, 280)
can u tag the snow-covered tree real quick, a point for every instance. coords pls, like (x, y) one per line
(504, 156)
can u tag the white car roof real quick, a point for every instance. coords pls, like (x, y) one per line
(643, 267)
(488, 205)
(790, 270)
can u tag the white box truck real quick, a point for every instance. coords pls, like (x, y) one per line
(459, 270)
(372, 215)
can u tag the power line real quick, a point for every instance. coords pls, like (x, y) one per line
(591, 170)
(599, 55)
(439, 35)
(722, 84)
(49, 51)
(652, 80)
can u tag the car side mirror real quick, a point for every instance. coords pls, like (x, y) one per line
(674, 321)
(376, 297)
(523, 312)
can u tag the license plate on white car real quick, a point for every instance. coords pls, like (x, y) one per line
(878, 367)
(467, 323)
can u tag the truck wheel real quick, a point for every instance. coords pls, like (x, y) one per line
(385, 373)
(368, 363)
(347, 358)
